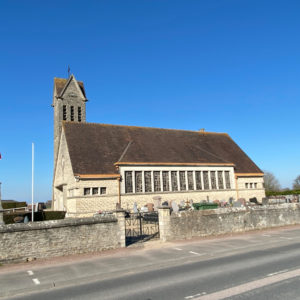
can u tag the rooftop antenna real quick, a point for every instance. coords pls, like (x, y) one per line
(69, 71)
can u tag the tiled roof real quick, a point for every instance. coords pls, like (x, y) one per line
(96, 148)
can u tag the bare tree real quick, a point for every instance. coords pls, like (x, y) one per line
(296, 184)
(271, 182)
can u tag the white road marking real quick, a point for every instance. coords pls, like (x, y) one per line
(196, 295)
(246, 287)
(30, 273)
(192, 252)
(36, 281)
(178, 249)
(279, 272)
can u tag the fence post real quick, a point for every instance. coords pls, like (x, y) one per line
(120, 214)
(164, 223)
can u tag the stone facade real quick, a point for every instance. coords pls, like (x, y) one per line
(189, 224)
(71, 97)
(84, 196)
(21, 242)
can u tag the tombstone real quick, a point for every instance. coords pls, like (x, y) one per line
(182, 204)
(231, 200)
(191, 202)
(165, 203)
(150, 206)
(254, 200)
(157, 202)
(135, 209)
(265, 201)
(237, 204)
(144, 209)
(242, 201)
(26, 219)
(175, 207)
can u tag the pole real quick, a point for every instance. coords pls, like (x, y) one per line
(32, 184)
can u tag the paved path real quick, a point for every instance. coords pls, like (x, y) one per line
(246, 266)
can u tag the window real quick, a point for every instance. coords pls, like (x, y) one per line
(128, 182)
(255, 185)
(103, 190)
(205, 180)
(64, 112)
(148, 185)
(138, 182)
(227, 180)
(174, 180)
(72, 113)
(251, 185)
(213, 180)
(165, 177)
(156, 175)
(87, 191)
(182, 180)
(220, 180)
(95, 191)
(198, 180)
(79, 114)
(190, 180)
(246, 185)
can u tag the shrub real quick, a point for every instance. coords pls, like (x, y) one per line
(38, 216)
(282, 193)
(8, 205)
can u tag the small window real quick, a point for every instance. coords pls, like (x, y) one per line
(246, 185)
(87, 191)
(72, 113)
(95, 191)
(251, 185)
(255, 185)
(103, 190)
(79, 114)
(64, 112)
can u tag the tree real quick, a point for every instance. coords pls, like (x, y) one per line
(271, 182)
(296, 184)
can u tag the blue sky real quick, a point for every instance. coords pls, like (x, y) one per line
(224, 65)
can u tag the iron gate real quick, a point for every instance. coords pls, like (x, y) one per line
(141, 227)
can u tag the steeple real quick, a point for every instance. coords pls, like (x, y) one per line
(69, 105)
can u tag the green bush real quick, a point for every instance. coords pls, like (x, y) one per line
(8, 205)
(282, 193)
(54, 215)
(202, 206)
(38, 216)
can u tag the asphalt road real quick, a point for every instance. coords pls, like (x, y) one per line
(261, 265)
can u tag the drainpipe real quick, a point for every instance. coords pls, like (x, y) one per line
(119, 183)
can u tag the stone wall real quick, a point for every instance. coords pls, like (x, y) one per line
(21, 242)
(188, 224)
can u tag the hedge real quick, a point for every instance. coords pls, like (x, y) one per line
(282, 193)
(38, 216)
(8, 205)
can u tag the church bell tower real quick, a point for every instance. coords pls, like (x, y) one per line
(69, 105)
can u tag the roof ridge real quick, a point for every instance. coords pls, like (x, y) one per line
(148, 127)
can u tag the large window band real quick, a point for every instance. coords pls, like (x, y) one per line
(166, 181)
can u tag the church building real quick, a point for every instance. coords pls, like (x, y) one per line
(99, 167)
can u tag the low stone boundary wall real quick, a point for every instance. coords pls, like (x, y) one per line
(188, 224)
(23, 242)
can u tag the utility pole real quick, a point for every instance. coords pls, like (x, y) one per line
(1, 208)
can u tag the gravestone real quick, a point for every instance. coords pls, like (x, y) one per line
(175, 207)
(135, 209)
(265, 201)
(182, 204)
(231, 200)
(237, 204)
(157, 202)
(242, 201)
